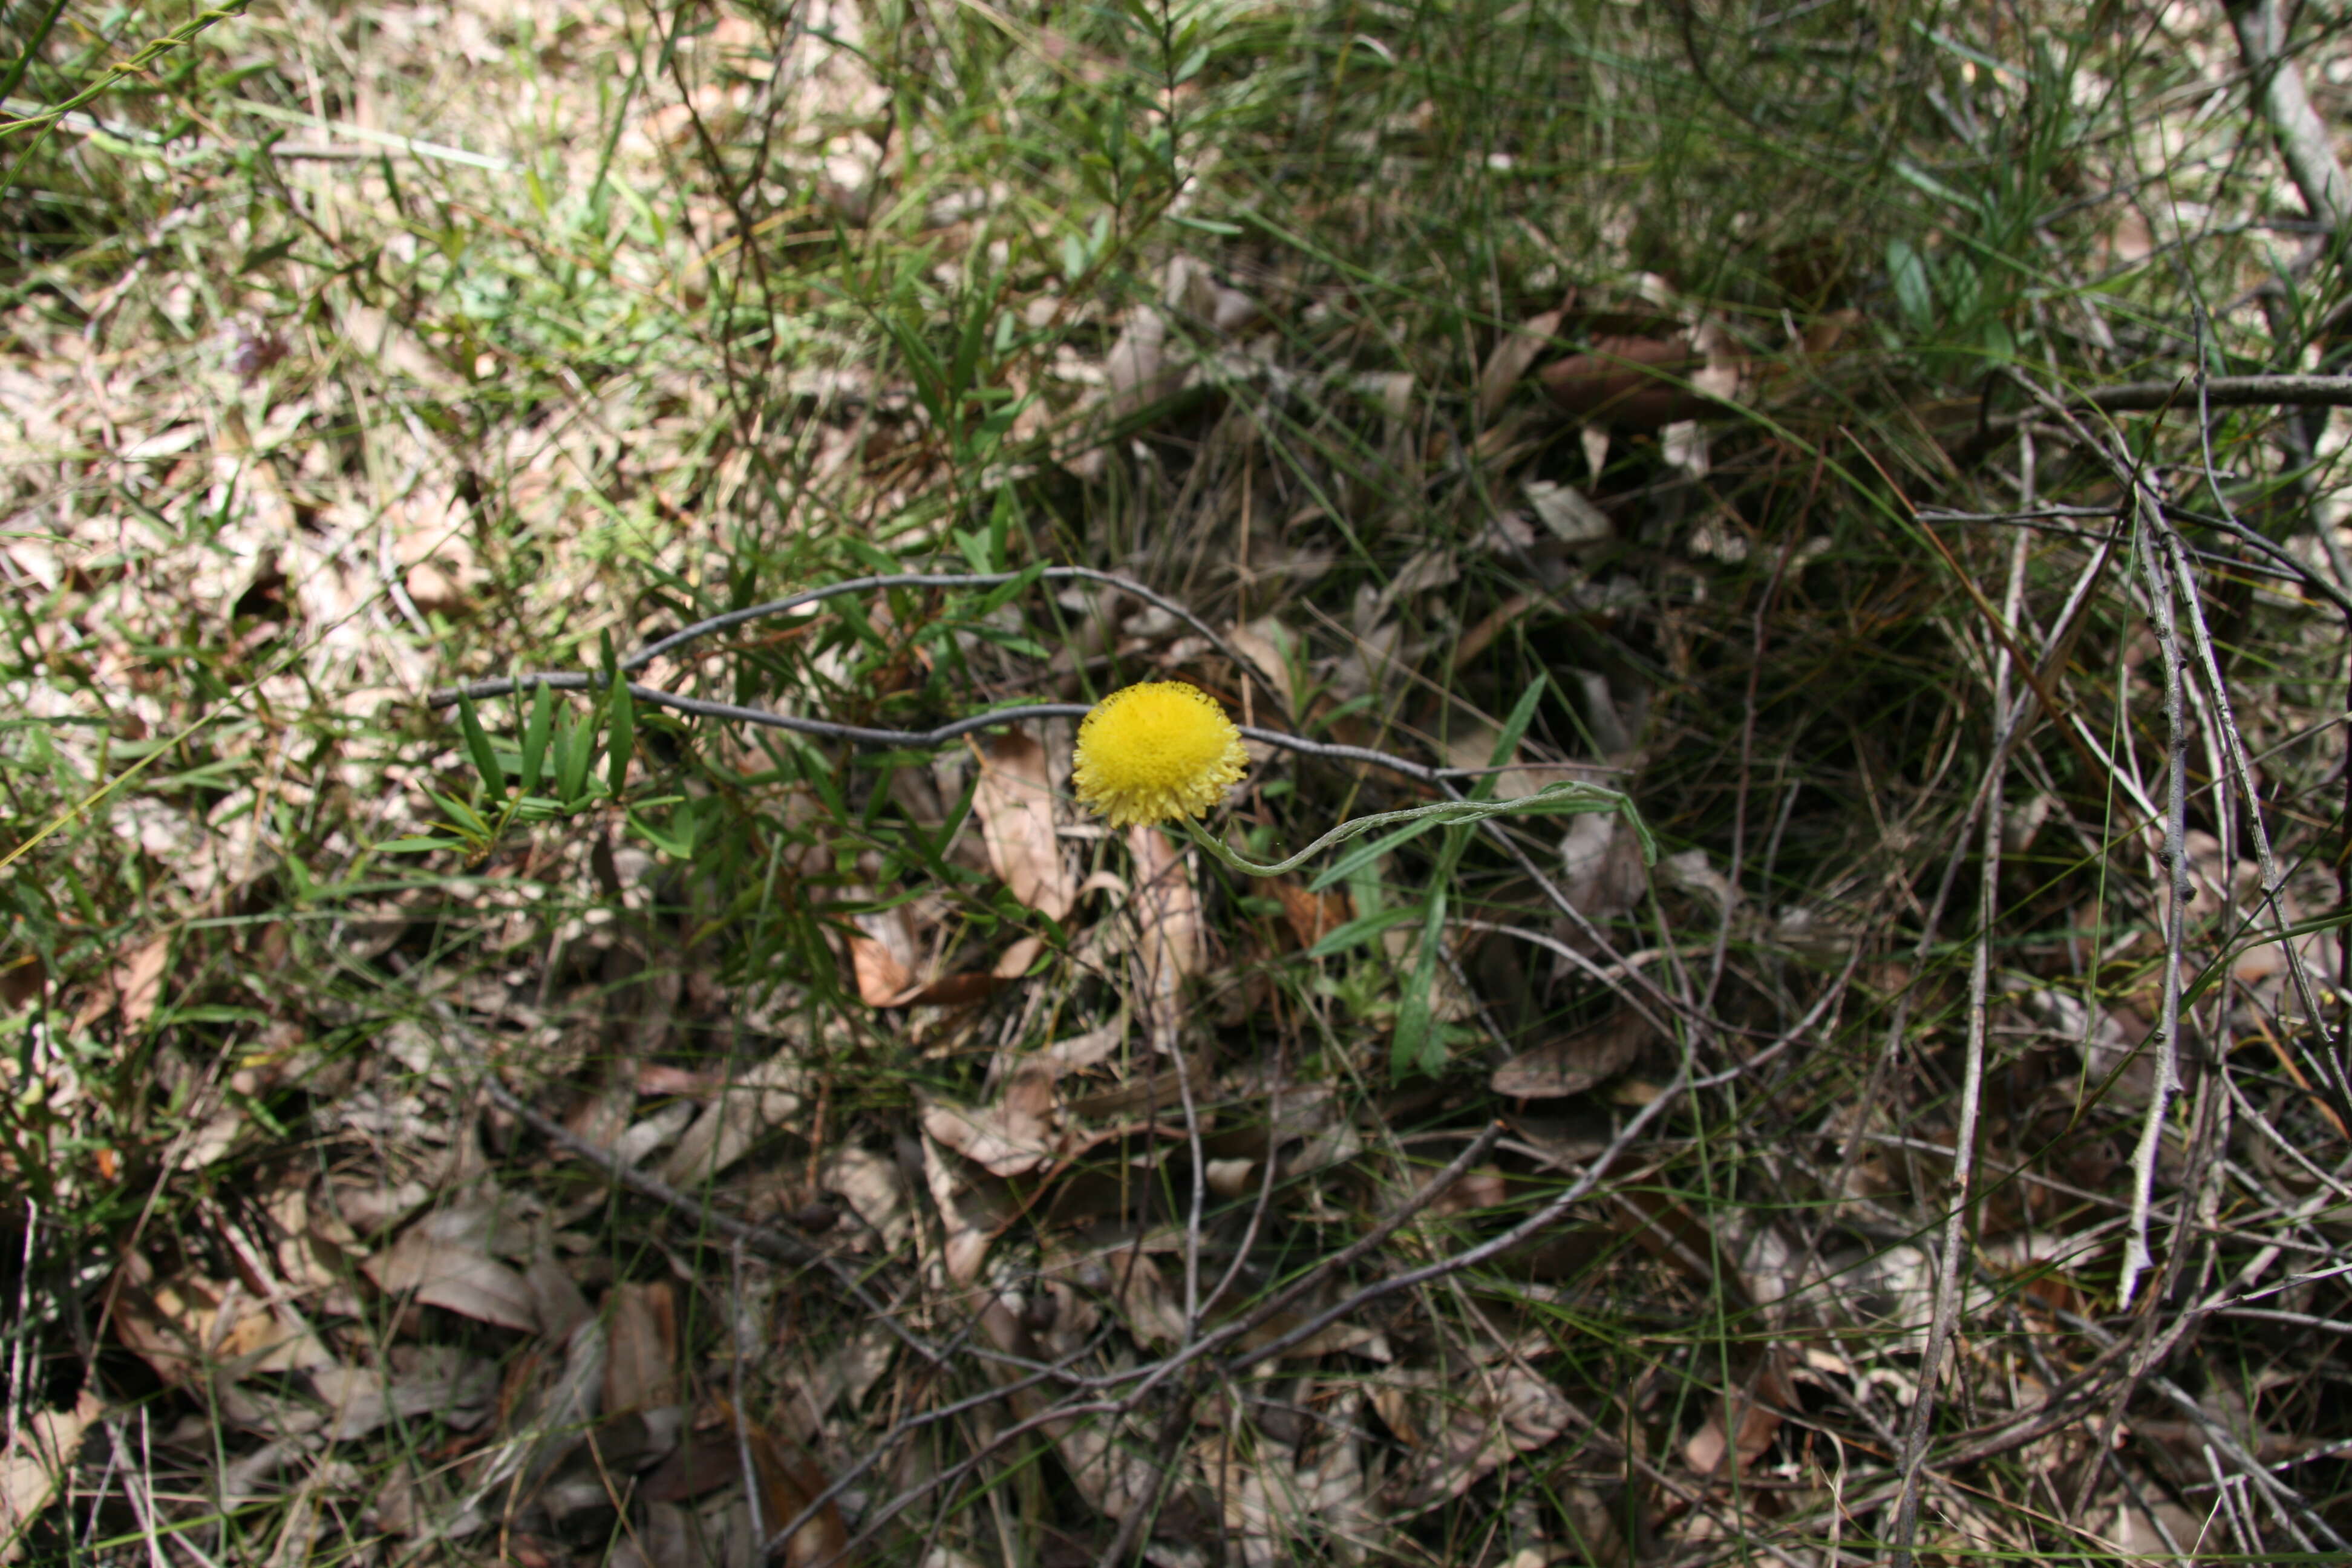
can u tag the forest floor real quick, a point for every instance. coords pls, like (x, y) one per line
(732, 1102)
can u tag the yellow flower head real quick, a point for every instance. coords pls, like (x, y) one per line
(1155, 753)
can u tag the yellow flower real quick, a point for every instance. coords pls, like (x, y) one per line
(1156, 752)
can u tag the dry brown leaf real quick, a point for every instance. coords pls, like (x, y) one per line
(1169, 944)
(136, 985)
(1013, 1136)
(1634, 383)
(455, 1275)
(555, 1299)
(964, 1214)
(767, 1096)
(1014, 801)
(1575, 1064)
(1487, 1420)
(1754, 1418)
(187, 1322)
(1139, 372)
(1015, 960)
(1075, 1053)
(1311, 916)
(1151, 1313)
(1510, 360)
(1262, 642)
(641, 1360)
(437, 1380)
(790, 1480)
(1277, 1508)
(22, 977)
(951, 991)
(36, 1461)
(881, 977)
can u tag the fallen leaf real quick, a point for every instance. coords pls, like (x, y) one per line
(1756, 1418)
(1510, 359)
(455, 1275)
(1263, 643)
(1137, 372)
(1575, 1064)
(1010, 1138)
(136, 985)
(1167, 918)
(1277, 1508)
(1568, 514)
(881, 977)
(22, 977)
(1013, 799)
(790, 1481)
(36, 1461)
(188, 1322)
(441, 1381)
(641, 1358)
(766, 1097)
(1489, 1419)
(1075, 1053)
(1311, 916)
(965, 1217)
(1634, 383)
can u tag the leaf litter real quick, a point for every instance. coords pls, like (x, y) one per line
(508, 1340)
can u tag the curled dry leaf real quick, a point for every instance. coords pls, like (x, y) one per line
(1311, 916)
(1075, 1053)
(1013, 799)
(966, 1216)
(1010, 1138)
(552, 1416)
(641, 1362)
(1754, 1415)
(437, 1380)
(1634, 383)
(1262, 642)
(1568, 514)
(882, 960)
(136, 985)
(1478, 1424)
(456, 1274)
(1510, 360)
(767, 1096)
(37, 1459)
(1169, 944)
(1575, 1064)
(789, 1480)
(188, 1323)
(1276, 1505)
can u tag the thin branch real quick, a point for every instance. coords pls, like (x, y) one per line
(1950, 1292)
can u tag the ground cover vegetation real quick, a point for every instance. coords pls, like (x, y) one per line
(562, 1003)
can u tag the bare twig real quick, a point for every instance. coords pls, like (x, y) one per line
(1949, 1289)
(2174, 857)
(2302, 140)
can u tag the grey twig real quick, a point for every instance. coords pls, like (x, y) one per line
(1950, 1291)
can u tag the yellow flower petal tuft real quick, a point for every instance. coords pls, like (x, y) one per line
(1155, 753)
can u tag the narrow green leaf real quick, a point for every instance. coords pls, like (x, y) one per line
(575, 753)
(1410, 1050)
(478, 743)
(1363, 855)
(1515, 730)
(1358, 932)
(621, 737)
(462, 817)
(534, 737)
